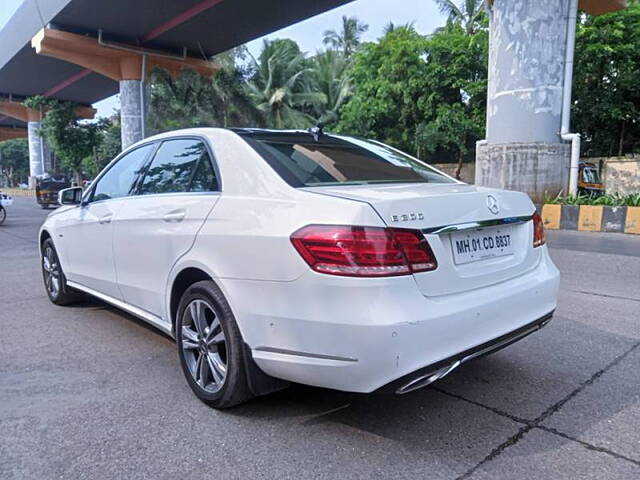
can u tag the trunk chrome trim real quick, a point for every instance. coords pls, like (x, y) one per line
(479, 224)
(135, 311)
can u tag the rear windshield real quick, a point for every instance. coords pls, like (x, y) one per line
(332, 160)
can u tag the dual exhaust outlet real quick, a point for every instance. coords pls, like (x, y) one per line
(423, 379)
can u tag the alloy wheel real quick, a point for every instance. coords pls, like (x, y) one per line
(204, 345)
(51, 271)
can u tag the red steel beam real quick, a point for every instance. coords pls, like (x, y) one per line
(188, 14)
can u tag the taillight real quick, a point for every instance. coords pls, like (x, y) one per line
(364, 251)
(539, 238)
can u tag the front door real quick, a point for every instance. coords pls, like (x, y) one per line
(86, 233)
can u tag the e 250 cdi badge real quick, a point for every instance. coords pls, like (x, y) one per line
(293, 256)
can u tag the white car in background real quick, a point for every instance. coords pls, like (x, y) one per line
(294, 256)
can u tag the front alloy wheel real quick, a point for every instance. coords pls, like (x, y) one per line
(51, 271)
(54, 280)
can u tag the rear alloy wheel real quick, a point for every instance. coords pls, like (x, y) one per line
(54, 280)
(211, 347)
(204, 346)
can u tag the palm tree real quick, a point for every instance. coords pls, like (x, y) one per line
(229, 100)
(176, 102)
(348, 39)
(280, 86)
(331, 77)
(468, 14)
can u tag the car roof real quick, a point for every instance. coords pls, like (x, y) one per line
(250, 134)
(291, 136)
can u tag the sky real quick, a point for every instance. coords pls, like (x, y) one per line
(376, 13)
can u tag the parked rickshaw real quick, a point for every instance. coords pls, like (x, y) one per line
(47, 188)
(589, 182)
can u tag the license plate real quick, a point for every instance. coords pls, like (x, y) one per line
(474, 245)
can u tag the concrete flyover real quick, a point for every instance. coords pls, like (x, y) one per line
(87, 50)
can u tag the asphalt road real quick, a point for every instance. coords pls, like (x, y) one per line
(89, 392)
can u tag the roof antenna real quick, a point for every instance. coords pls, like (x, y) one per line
(317, 130)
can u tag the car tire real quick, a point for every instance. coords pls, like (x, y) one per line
(55, 283)
(210, 347)
(44, 206)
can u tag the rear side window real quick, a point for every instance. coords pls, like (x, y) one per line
(204, 179)
(181, 165)
(119, 179)
(305, 162)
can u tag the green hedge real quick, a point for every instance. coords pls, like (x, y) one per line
(615, 200)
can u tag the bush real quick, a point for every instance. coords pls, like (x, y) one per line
(613, 200)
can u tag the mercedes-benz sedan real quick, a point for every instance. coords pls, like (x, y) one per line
(294, 256)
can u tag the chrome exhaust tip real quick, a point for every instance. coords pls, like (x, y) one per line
(428, 379)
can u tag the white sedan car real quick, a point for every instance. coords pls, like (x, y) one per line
(294, 256)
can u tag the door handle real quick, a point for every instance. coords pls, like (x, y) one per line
(177, 216)
(106, 219)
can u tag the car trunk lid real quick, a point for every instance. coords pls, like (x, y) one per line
(455, 218)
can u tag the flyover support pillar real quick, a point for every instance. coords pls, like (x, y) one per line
(36, 152)
(132, 111)
(524, 150)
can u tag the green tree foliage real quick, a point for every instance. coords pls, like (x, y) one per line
(230, 102)
(425, 95)
(347, 39)
(606, 93)
(469, 14)
(109, 146)
(281, 88)
(14, 162)
(177, 102)
(189, 100)
(457, 75)
(330, 76)
(73, 141)
(390, 89)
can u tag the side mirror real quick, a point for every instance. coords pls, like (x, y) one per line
(70, 196)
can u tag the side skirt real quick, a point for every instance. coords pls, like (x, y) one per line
(135, 311)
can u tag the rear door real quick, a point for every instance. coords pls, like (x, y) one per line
(159, 224)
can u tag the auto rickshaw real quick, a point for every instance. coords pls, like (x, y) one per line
(47, 188)
(589, 182)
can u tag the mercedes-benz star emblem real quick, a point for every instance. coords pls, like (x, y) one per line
(492, 204)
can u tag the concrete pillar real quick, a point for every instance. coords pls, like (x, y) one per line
(36, 152)
(132, 117)
(524, 150)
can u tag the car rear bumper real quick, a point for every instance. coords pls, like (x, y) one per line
(350, 335)
(431, 373)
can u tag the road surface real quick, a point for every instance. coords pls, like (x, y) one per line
(90, 392)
